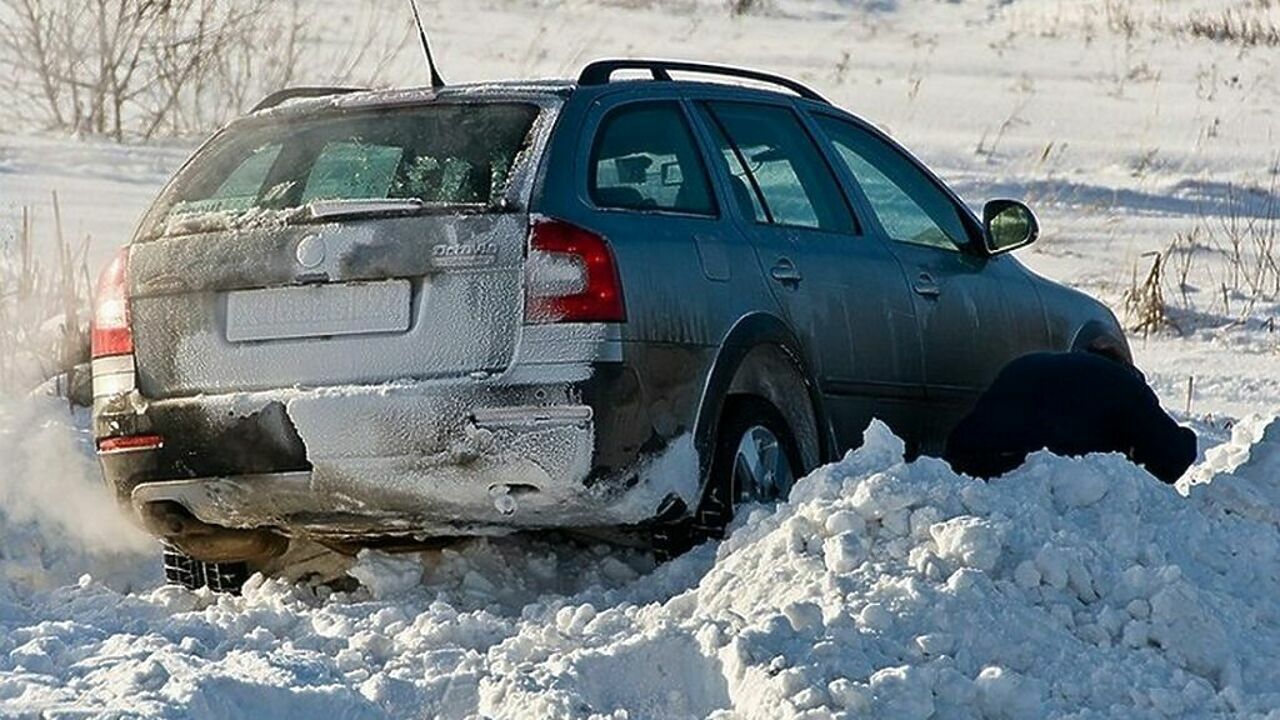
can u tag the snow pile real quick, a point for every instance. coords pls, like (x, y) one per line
(1241, 476)
(1071, 588)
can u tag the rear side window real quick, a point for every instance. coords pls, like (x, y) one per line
(645, 158)
(443, 155)
(767, 149)
(909, 205)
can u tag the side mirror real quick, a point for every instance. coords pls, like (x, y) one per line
(1008, 225)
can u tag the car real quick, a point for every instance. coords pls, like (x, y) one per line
(623, 305)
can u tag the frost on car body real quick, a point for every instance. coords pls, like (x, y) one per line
(288, 398)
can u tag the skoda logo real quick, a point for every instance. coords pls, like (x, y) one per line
(310, 252)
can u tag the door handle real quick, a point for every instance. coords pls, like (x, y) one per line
(926, 286)
(785, 272)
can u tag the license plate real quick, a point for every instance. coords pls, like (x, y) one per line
(318, 310)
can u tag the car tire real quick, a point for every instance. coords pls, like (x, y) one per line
(746, 422)
(182, 569)
(756, 460)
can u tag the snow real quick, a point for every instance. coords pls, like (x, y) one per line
(1076, 588)
(1033, 595)
(57, 519)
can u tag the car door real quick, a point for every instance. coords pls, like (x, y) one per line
(843, 292)
(976, 312)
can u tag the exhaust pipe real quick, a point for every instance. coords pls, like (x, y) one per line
(209, 543)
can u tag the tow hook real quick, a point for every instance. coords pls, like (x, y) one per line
(503, 501)
(506, 496)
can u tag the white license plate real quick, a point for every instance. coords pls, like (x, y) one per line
(318, 310)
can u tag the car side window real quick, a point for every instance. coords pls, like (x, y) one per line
(741, 184)
(645, 158)
(779, 175)
(908, 203)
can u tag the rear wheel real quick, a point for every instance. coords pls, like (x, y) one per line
(756, 460)
(184, 570)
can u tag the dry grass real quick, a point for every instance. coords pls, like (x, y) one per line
(738, 8)
(1241, 23)
(1248, 25)
(1144, 302)
(1226, 265)
(44, 301)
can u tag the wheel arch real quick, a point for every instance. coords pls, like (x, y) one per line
(1098, 337)
(761, 356)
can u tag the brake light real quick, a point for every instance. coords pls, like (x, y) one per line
(111, 333)
(571, 276)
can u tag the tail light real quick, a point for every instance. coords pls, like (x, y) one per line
(111, 333)
(129, 443)
(571, 276)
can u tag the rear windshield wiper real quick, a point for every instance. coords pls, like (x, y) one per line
(373, 206)
(325, 209)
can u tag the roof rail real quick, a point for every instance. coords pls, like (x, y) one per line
(599, 72)
(280, 97)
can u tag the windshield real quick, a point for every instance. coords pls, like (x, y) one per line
(439, 155)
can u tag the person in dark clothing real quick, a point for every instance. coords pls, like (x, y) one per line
(1070, 404)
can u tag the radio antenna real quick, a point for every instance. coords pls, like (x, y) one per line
(436, 81)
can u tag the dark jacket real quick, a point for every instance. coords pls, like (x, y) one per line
(1071, 404)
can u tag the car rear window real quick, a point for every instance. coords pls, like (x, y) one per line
(442, 155)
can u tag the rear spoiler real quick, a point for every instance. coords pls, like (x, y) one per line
(280, 97)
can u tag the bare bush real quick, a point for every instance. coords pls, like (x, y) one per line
(1121, 19)
(141, 68)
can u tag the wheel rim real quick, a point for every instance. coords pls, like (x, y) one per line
(761, 469)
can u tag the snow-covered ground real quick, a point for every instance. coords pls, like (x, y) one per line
(1072, 588)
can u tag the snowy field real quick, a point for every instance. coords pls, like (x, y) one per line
(1071, 588)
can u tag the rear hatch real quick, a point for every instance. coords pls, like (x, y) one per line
(358, 247)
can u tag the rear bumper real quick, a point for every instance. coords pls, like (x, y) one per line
(496, 479)
(367, 462)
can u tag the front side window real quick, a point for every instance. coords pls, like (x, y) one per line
(777, 172)
(908, 203)
(645, 158)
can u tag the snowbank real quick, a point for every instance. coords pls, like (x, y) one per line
(1071, 588)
